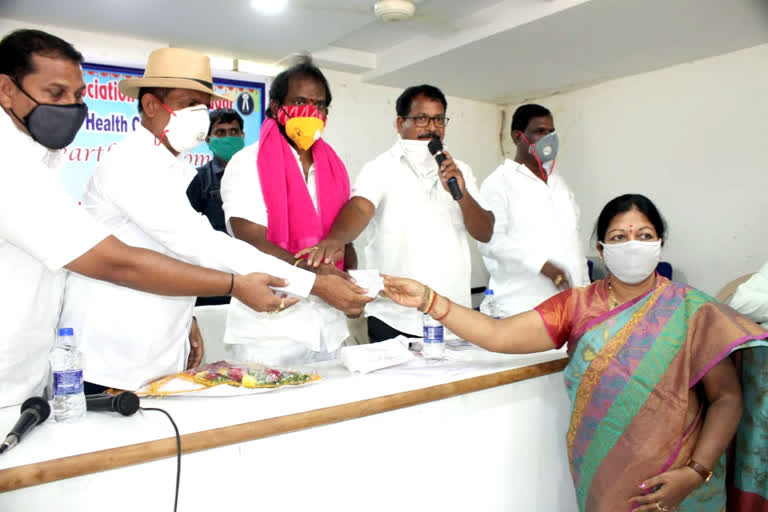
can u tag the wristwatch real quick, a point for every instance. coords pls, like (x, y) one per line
(705, 473)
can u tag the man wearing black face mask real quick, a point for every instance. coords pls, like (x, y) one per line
(43, 231)
(535, 249)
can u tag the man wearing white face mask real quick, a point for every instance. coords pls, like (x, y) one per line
(416, 228)
(139, 191)
(535, 250)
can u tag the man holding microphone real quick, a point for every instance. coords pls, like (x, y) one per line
(417, 229)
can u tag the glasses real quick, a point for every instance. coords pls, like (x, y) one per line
(422, 120)
(319, 105)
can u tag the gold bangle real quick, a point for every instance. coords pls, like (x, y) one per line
(425, 298)
(296, 263)
(432, 301)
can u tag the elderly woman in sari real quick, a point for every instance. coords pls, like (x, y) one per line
(656, 399)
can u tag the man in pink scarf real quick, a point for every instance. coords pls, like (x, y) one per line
(282, 195)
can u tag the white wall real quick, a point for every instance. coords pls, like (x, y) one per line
(362, 118)
(691, 137)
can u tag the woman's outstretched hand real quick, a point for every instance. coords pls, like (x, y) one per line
(404, 291)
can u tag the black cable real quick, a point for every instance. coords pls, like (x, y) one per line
(178, 451)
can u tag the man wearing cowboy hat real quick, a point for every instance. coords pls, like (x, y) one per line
(43, 232)
(130, 338)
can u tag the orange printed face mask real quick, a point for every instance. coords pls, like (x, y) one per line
(303, 124)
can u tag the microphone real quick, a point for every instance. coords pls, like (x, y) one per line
(436, 148)
(126, 403)
(34, 411)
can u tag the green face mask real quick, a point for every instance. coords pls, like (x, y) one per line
(226, 147)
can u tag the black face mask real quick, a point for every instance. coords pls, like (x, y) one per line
(53, 126)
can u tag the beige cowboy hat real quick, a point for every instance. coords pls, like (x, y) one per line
(173, 68)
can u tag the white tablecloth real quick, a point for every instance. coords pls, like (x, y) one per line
(498, 449)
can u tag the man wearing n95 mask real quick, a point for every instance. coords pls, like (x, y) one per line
(416, 228)
(535, 250)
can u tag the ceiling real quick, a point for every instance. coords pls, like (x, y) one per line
(493, 50)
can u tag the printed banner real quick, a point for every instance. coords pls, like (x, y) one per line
(112, 115)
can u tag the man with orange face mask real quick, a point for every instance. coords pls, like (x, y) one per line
(281, 195)
(130, 338)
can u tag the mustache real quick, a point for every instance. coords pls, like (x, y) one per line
(430, 135)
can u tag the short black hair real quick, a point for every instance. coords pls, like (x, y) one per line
(304, 67)
(224, 115)
(623, 204)
(159, 92)
(525, 113)
(404, 101)
(17, 48)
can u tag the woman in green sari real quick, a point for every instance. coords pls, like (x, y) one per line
(653, 373)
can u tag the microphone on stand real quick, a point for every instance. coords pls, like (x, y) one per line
(126, 403)
(436, 148)
(34, 411)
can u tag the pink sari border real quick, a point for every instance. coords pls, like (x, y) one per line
(682, 438)
(722, 355)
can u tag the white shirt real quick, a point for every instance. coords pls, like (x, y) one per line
(417, 231)
(751, 297)
(312, 322)
(130, 337)
(536, 222)
(41, 230)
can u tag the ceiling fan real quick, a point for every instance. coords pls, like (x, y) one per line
(386, 11)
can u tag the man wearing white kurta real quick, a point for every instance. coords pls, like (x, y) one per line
(128, 337)
(417, 229)
(43, 231)
(535, 249)
(311, 330)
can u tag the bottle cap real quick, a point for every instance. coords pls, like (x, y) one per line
(488, 291)
(66, 331)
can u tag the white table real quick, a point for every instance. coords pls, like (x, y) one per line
(500, 448)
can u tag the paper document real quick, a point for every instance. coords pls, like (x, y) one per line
(375, 356)
(368, 279)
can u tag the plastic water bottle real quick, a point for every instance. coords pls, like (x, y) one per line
(434, 344)
(67, 368)
(489, 306)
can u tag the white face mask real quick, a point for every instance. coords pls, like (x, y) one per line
(632, 262)
(417, 153)
(187, 128)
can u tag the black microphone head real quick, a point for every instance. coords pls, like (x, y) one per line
(126, 403)
(435, 145)
(38, 404)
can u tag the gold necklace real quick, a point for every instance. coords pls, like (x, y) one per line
(614, 302)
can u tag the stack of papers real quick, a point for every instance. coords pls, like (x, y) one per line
(457, 344)
(375, 356)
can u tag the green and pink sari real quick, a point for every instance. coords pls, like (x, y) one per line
(629, 376)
